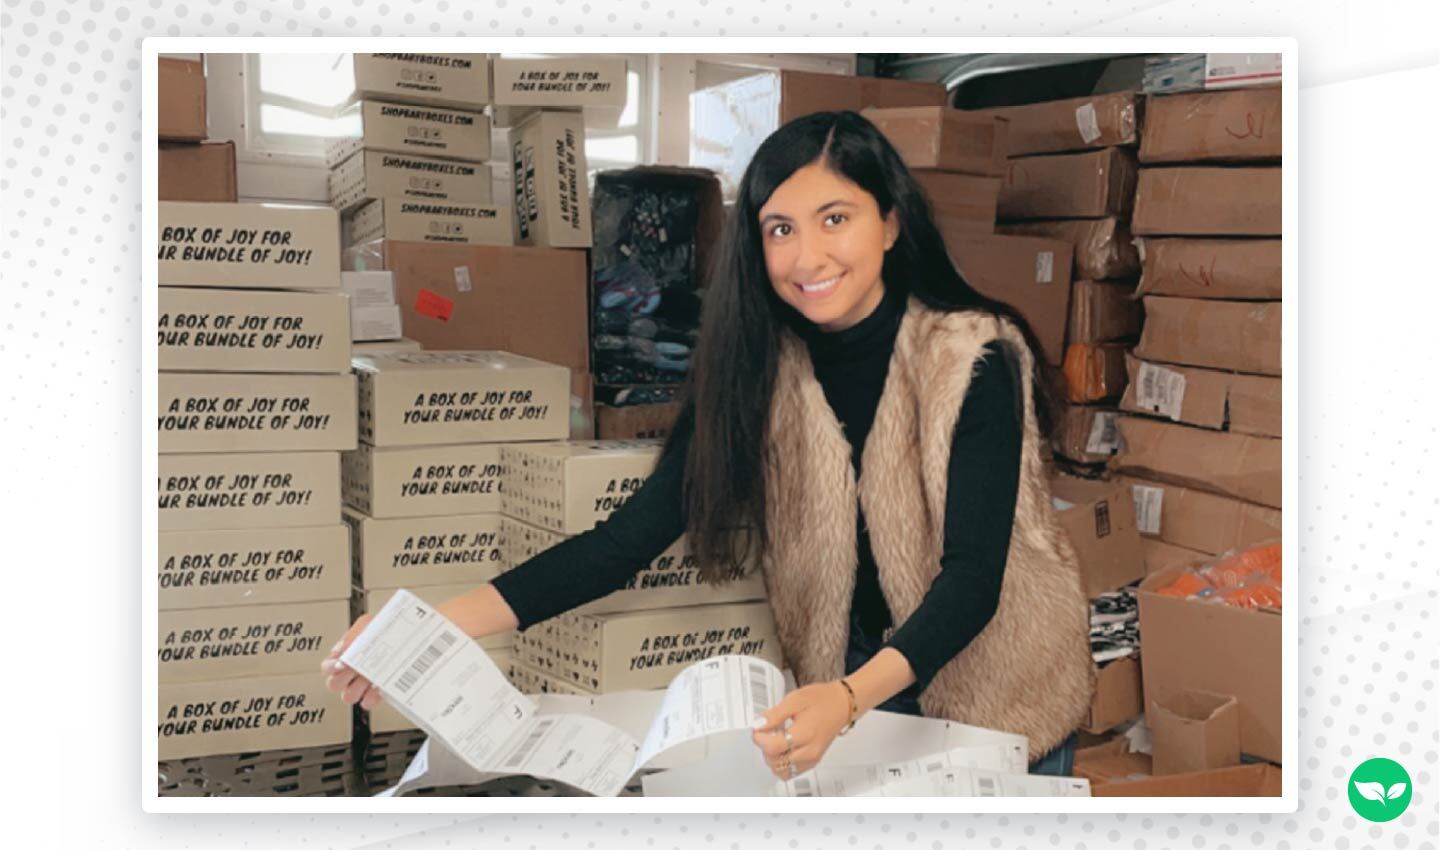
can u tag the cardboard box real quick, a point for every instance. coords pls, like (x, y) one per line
(961, 203)
(1246, 780)
(206, 569)
(368, 324)
(407, 128)
(216, 412)
(530, 301)
(204, 172)
(1202, 523)
(568, 487)
(1117, 695)
(1086, 433)
(1243, 336)
(1071, 185)
(671, 580)
(223, 330)
(1235, 465)
(250, 714)
(1228, 126)
(639, 650)
(1244, 404)
(371, 601)
(427, 398)
(636, 421)
(528, 680)
(456, 80)
(1055, 126)
(409, 481)
(1224, 649)
(1103, 311)
(384, 718)
(552, 189)
(376, 174)
(522, 86)
(203, 644)
(1200, 201)
(425, 550)
(270, 490)
(1099, 518)
(1160, 555)
(426, 221)
(1111, 763)
(945, 139)
(1094, 371)
(180, 99)
(1193, 730)
(1032, 275)
(368, 288)
(1104, 248)
(243, 246)
(1190, 71)
(384, 346)
(1235, 269)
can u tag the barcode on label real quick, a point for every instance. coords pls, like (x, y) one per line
(1044, 266)
(804, 787)
(1160, 390)
(531, 742)
(759, 688)
(427, 659)
(985, 786)
(1104, 436)
(462, 279)
(1148, 503)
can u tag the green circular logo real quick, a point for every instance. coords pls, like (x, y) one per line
(1379, 790)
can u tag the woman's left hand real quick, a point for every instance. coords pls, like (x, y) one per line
(816, 713)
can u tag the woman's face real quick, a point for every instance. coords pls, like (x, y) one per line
(825, 244)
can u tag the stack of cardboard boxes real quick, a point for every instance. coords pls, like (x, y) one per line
(189, 167)
(255, 405)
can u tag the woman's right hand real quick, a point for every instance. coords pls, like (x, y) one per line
(352, 687)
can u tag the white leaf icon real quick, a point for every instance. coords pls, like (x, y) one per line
(1395, 790)
(1371, 791)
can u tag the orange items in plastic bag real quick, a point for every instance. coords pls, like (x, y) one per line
(1260, 595)
(1259, 562)
(1185, 585)
(1094, 371)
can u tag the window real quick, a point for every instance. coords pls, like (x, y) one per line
(293, 102)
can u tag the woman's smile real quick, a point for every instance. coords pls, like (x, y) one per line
(820, 288)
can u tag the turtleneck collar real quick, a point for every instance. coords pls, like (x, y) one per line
(874, 333)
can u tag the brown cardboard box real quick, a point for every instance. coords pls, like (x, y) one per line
(368, 174)
(1032, 275)
(1243, 336)
(1110, 763)
(225, 330)
(1236, 465)
(217, 412)
(242, 246)
(199, 492)
(1193, 730)
(425, 221)
(552, 189)
(203, 172)
(1072, 185)
(1236, 125)
(592, 82)
(1099, 518)
(455, 80)
(1244, 404)
(1201, 522)
(250, 714)
(635, 421)
(1055, 126)
(206, 569)
(425, 550)
(410, 129)
(428, 398)
(412, 481)
(943, 138)
(1246, 780)
(1117, 695)
(180, 90)
(1103, 311)
(1086, 433)
(1214, 647)
(1104, 248)
(1094, 371)
(568, 487)
(203, 644)
(1198, 201)
(1160, 555)
(1236, 269)
(961, 203)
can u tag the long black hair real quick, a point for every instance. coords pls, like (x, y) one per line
(736, 356)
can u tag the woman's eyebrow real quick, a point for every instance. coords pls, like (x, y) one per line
(838, 202)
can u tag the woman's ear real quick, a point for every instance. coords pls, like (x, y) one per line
(892, 228)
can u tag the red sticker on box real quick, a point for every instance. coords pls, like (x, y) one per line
(434, 305)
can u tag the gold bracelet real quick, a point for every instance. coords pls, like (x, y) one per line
(854, 707)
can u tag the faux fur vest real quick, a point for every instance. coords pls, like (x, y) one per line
(1029, 671)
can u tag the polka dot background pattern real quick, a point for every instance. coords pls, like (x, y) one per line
(69, 279)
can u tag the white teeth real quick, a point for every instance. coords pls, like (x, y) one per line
(819, 286)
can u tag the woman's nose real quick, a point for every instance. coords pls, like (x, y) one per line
(812, 256)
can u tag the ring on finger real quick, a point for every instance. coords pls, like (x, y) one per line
(789, 744)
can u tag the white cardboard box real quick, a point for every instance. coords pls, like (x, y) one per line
(428, 221)
(568, 487)
(250, 714)
(522, 86)
(251, 490)
(370, 324)
(369, 289)
(236, 412)
(377, 174)
(203, 644)
(226, 330)
(240, 246)
(528, 680)
(552, 192)
(424, 550)
(409, 481)
(459, 80)
(205, 569)
(413, 129)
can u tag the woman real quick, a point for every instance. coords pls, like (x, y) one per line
(876, 427)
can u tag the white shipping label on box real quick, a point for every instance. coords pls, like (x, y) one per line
(408, 481)
(426, 550)
(438, 397)
(260, 490)
(224, 330)
(368, 324)
(552, 193)
(569, 487)
(248, 245)
(369, 289)
(444, 79)
(377, 174)
(1160, 390)
(248, 640)
(204, 412)
(203, 569)
(250, 714)
(414, 129)
(1104, 437)
(1044, 266)
(1087, 122)
(560, 82)
(429, 221)
(1149, 501)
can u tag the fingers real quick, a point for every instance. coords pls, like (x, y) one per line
(371, 699)
(340, 679)
(801, 760)
(355, 690)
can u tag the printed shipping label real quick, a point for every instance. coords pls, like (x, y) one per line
(1045, 267)
(1087, 123)
(1160, 390)
(1104, 436)
(1148, 504)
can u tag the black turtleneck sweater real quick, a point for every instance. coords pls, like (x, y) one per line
(851, 366)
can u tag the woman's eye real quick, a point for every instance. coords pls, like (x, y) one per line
(780, 230)
(834, 218)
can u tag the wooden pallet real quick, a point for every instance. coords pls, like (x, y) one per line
(302, 772)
